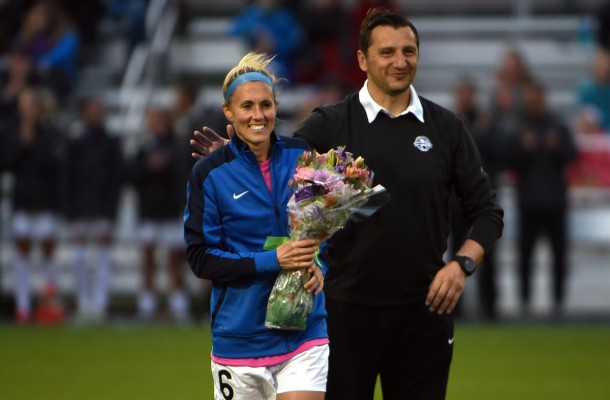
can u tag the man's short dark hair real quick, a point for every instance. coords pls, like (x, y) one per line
(382, 17)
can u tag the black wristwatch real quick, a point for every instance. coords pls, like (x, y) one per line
(466, 263)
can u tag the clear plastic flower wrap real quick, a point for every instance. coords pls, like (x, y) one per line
(330, 188)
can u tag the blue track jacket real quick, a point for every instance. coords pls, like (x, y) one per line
(229, 215)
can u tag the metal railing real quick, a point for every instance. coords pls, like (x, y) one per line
(144, 65)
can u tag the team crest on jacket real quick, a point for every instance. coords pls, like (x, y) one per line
(422, 143)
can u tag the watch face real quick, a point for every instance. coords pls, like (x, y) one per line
(466, 263)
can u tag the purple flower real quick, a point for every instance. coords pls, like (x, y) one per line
(321, 175)
(336, 185)
(307, 192)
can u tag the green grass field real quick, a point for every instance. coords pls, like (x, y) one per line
(163, 362)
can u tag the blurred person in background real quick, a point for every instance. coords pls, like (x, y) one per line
(92, 179)
(538, 156)
(332, 31)
(328, 49)
(602, 17)
(33, 151)
(511, 76)
(587, 121)
(131, 17)
(188, 116)
(595, 90)
(48, 37)
(11, 14)
(17, 76)
(506, 107)
(359, 9)
(87, 16)
(325, 91)
(477, 120)
(592, 166)
(157, 174)
(269, 27)
(189, 112)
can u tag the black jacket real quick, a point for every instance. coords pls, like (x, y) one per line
(93, 175)
(541, 180)
(160, 191)
(36, 167)
(392, 257)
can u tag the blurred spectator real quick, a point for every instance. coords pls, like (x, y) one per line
(34, 157)
(332, 31)
(270, 28)
(466, 105)
(360, 7)
(587, 121)
(592, 167)
(86, 16)
(158, 177)
(511, 76)
(539, 156)
(325, 91)
(190, 113)
(17, 76)
(185, 15)
(49, 39)
(353, 76)
(11, 14)
(596, 89)
(506, 105)
(188, 117)
(131, 15)
(603, 25)
(92, 181)
(329, 50)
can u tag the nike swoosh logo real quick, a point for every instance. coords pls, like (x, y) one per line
(451, 341)
(237, 196)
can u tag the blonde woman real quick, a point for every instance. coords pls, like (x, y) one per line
(237, 200)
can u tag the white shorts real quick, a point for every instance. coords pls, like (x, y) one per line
(91, 229)
(166, 233)
(304, 372)
(35, 226)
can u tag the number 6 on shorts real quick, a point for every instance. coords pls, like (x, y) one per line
(225, 388)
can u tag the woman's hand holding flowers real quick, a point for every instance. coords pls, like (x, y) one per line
(297, 253)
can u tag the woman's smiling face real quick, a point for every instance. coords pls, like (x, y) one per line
(252, 110)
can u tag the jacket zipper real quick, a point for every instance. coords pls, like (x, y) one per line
(221, 299)
(274, 188)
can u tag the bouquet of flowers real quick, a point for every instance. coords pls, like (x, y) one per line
(329, 189)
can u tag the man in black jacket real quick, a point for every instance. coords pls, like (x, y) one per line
(389, 291)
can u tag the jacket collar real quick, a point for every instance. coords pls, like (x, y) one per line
(241, 149)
